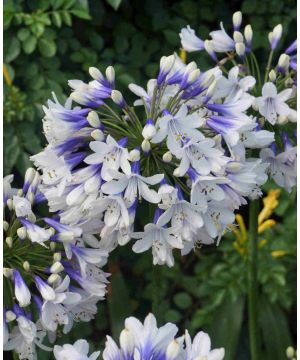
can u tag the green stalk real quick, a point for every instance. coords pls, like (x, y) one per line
(268, 65)
(156, 293)
(252, 278)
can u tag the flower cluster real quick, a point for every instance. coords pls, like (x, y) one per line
(146, 341)
(187, 147)
(53, 276)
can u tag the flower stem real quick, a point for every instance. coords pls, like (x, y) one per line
(156, 292)
(252, 278)
(268, 65)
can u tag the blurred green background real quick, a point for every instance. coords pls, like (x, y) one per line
(47, 42)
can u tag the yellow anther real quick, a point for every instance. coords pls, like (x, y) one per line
(182, 55)
(270, 203)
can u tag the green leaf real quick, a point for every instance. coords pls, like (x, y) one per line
(11, 50)
(81, 13)
(56, 18)
(23, 34)
(183, 300)
(11, 152)
(66, 17)
(114, 3)
(275, 330)
(226, 326)
(172, 316)
(29, 44)
(47, 47)
(119, 306)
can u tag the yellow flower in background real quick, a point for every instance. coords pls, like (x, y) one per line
(6, 75)
(182, 55)
(270, 203)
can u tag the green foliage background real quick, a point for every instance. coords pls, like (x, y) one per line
(47, 42)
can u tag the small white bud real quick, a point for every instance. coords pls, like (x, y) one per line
(52, 245)
(66, 236)
(233, 166)
(248, 33)
(57, 256)
(149, 130)
(146, 146)
(8, 273)
(176, 172)
(56, 268)
(110, 74)
(53, 278)
(22, 233)
(95, 73)
(191, 66)
(117, 98)
(237, 19)
(31, 217)
(10, 316)
(209, 48)
(290, 352)
(272, 75)
(127, 340)
(193, 76)
(30, 196)
(20, 192)
(26, 266)
(173, 350)
(270, 37)
(5, 225)
(211, 89)
(208, 79)
(166, 63)
(240, 49)
(29, 175)
(238, 37)
(93, 119)
(283, 62)
(97, 135)
(134, 155)
(277, 32)
(10, 204)
(9, 241)
(282, 119)
(167, 157)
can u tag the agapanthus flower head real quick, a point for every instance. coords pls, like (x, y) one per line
(40, 259)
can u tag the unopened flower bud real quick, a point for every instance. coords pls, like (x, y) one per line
(149, 130)
(10, 316)
(110, 74)
(210, 50)
(240, 49)
(176, 172)
(272, 75)
(10, 204)
(134, 155)
(8, 273)
(56, 268)
(117, 98)
(282, 119)
(53, 278)
(173, 350)
(167, 157)
(97, 135)
(283, 63)
(193, 76)
(65, 236)
(26, 266)
(22, 233)
(127, 340)
(166, 63)
(211, 89)
(57, 256)
(5, 225)
(52, 245)
(31, 217)
(95, 73)
(276, 36)
(248, 33)
(30, 196)
(93, 119)
(146, 146)
(290, 352)
(20, 192)
(9, 241)
(238, 37)
(237, 20)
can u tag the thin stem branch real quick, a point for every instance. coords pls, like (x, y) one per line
(252, 278)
